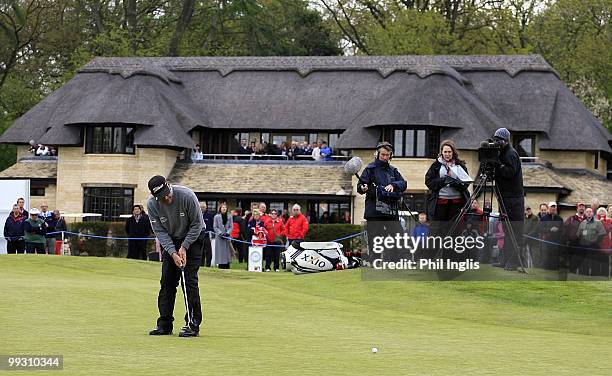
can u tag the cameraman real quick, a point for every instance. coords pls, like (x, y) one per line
(509, 181)
(383, 186)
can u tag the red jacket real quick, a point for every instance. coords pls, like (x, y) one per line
(275, 229)
(235, 230)
(297, 227)
(606, 242)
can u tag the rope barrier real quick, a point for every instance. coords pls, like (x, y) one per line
(209, 232)
(568, 246)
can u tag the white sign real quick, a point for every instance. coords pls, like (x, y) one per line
(11, 191)
(255, 259)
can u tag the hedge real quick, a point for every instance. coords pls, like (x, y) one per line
(322, 233)
(99, 247)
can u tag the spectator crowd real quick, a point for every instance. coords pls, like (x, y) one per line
(551, 242)
(317, 151)
(41, 150)
(32, 232)
(580, 242)
(234, 232)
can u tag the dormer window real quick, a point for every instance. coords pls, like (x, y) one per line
(524, 144)
(109, 140)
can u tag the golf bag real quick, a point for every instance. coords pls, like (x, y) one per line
(315, 257)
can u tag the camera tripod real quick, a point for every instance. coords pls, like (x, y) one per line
(486, 184)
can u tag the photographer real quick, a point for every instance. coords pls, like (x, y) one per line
(509, 181)
(383, 186)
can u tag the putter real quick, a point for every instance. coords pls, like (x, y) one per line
(185, 295)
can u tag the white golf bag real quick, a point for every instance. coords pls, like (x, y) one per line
(315, 257)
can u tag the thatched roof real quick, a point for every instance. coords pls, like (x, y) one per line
(574, 185)
(44, 169)
(307, 178)
(468, 97)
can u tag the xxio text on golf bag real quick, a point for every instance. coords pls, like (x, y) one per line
(315, 257)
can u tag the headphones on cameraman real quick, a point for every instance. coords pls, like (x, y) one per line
(384, 144)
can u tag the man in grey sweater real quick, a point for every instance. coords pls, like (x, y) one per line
(176, 219)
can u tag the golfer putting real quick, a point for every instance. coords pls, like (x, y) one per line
(177, 222)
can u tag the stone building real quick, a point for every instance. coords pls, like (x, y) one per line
(121, 120)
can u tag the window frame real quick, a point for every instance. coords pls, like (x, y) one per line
(518, 137)
(112, 194)
(422, 138)
(120, 140)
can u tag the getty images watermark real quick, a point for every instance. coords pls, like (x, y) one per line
(425, 252)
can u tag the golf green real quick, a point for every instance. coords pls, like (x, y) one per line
(97, 312)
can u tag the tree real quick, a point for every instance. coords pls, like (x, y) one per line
(575, 37)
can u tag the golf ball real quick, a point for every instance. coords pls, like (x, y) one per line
(374, 350)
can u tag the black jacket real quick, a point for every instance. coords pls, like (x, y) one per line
(434, 182)
(509, 175)
(547, 222)
(140, 229)
(377, 175)
(13, 227)
(208, 225)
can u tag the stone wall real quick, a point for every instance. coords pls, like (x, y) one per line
(77, 170)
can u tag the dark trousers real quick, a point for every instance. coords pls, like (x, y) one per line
(15, 246)
(170, 278)
(272, 253)
(206, 252)
(447, 212)
(444, 217)
(137, 249)
(32, 248)
(381, 227)
(514, 209)
(242, 250)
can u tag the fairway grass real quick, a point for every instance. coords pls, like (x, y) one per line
(97, 312)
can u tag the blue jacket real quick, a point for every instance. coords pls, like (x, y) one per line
(377, 175)
(14, 227)
(328, 153)
(420, 230)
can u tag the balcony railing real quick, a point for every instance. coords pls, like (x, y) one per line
(261, 157)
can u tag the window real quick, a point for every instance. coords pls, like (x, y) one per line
(265, 137)
(414, 142)
(109, 140)
(212, 206)
(415, 202)
(37, 191)
(278, 206)
(111, 202)
(327, 211)
(242, 136)
(278, 140)
(596, 164)
(312, 138)
(333, 139)
(524, 145)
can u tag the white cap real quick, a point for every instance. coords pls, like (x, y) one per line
(34, 211)
(552, 203)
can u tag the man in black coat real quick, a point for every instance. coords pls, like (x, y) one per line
(138, 226)
(383, 186)
(205, 234)
(551, 231)
(509, 181)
